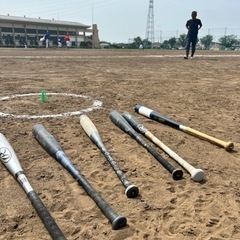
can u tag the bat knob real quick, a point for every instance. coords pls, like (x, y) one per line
(229, 146)
(177, 174)
(132, 191)
(119, 222)
(197, 175)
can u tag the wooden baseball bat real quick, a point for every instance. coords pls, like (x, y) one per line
(52, 147)
(196, 174)
(9, 159)
(119, 121)
(165, 120)
(92, 132)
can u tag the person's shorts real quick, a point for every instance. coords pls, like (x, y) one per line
(68, 43)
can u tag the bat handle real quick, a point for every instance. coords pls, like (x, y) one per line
(227, 145)
(45, 216)
(119, 222)
(116, 220)
(197, 174)
(177, 174)
(131, 191)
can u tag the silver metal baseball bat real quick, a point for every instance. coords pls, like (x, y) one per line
(9, 159)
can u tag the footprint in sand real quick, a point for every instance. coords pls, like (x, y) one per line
(212, 222)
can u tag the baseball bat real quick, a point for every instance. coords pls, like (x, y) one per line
(52, 147)
(165, 120)
(10, 160)
(130, 190)
(196, 174)
(119, 121)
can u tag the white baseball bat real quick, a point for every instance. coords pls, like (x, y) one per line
(11, 162)
(196, 174)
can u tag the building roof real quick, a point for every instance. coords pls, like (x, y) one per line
(40, 21)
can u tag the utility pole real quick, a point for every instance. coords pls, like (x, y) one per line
(150, 23)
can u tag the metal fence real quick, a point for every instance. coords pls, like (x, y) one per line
(217, 33)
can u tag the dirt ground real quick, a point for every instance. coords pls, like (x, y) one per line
(202, 93)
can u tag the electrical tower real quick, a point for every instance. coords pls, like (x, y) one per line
(150, 23)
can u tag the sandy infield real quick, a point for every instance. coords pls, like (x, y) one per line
(203, 93)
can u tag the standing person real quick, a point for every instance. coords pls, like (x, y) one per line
(67, 40)
(193, 25)
(141, 47)
(46, 37)
(59, 42)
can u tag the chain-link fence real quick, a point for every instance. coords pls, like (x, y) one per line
(217, 33)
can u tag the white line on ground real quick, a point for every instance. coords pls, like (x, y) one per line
(96, 105)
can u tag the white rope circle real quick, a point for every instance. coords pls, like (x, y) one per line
(95, 105)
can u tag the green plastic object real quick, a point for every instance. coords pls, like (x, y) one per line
(43, 96)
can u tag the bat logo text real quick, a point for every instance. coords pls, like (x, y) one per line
(5, 155)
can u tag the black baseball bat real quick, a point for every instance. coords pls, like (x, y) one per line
(52, 147)
(196, 173)
(119, 121)
(10, 160)
(147, 112)
(88, 126)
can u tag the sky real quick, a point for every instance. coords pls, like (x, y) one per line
(123, 20)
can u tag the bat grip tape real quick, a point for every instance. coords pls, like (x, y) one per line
(45, 216)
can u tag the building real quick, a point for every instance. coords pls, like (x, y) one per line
(21, 31)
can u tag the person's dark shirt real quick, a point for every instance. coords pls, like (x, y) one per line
(192, 25)
(47, 35)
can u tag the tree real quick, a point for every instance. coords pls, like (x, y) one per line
(137, 41)
(228, 41)
(206, 41)
(146, 43)
(182, 40)
(172, 41)
(86, 44)
(165, 44)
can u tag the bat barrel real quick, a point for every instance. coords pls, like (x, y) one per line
(147, 112)
(46, 139)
